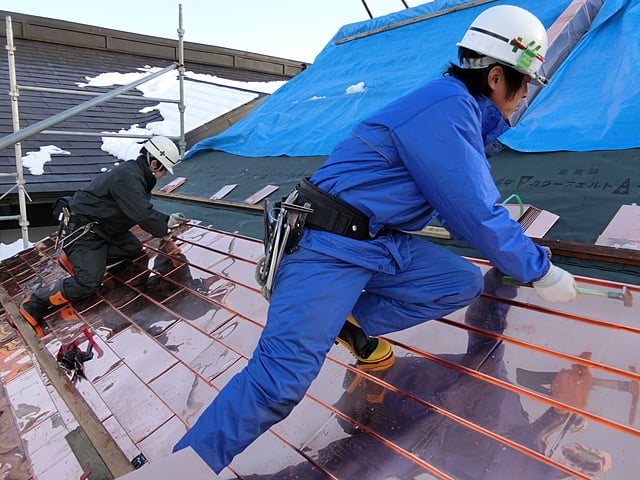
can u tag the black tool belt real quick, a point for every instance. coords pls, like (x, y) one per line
(331, 214)
(73, 223)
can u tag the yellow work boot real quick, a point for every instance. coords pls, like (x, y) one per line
(366, 349)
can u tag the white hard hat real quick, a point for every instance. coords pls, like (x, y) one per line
(511, 35)
(163, 150)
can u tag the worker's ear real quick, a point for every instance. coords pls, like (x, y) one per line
(495, 77)
(155, 165)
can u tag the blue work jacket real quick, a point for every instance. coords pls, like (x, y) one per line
(418, 158)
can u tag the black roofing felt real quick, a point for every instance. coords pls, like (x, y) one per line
(208, 171)
(585, 189)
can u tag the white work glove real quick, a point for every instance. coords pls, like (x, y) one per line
(176, 219)
(557, 285)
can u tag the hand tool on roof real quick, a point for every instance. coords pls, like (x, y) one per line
(72, 359)
(624, 294)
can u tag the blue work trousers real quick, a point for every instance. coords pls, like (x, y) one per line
(313, 295)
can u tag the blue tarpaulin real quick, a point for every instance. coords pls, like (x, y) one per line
(593, 100)
(352, 79)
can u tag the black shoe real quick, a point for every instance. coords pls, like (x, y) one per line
(366, 349)
(32, 310)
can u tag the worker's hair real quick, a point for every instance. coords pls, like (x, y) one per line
(147, 157)
(476, 78)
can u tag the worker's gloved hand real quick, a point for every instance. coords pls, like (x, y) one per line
(176, 219)
(557, 285)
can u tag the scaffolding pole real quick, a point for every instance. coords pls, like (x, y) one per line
(13, 94)
(19, 135)
(93, 94)
(182, 143)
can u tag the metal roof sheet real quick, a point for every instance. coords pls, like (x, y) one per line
(469, 396)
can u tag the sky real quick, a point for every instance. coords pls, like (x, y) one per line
(293, 29)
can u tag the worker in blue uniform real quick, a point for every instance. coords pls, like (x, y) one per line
(421, 157)
(448, 445)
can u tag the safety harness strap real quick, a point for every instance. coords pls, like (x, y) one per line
(73, 227)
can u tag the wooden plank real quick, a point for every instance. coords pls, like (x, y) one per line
(109, 451)
(222, 203)
(591, 252)
(86, 454)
